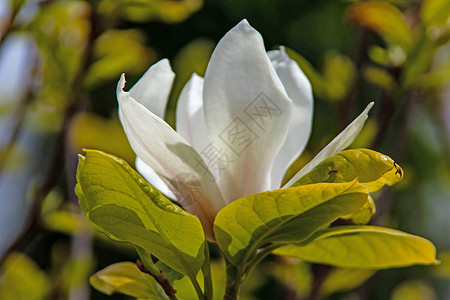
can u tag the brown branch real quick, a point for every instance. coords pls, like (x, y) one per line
(160, 279)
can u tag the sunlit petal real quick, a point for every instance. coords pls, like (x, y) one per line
(339, 143)
(153, 89)
(171, 157)
(299, 90)
(247, 113)
(190, 118)
(150, 175)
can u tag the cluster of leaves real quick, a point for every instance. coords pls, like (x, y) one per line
(292, 222)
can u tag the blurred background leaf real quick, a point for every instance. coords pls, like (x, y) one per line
(23, 279)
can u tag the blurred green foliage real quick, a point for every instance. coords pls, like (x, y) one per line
(392, 52)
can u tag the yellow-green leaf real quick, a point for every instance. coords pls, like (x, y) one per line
(282, 216)
(126, 278)
(344, 279)
(65, 221)
(293, 273)
(443, 269)
(122, 205)
(380, 77)
(435, 12)
(372, 169)
(383, 18)
(364, 214)
(118, 51)
(413, 290)
(363, 247)
(22, 279)
(339, 73)
(92, 131)
(148, 10)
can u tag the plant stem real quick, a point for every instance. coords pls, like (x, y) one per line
(160, 279)
(197, 288)
(236, 275)
(207, 277)
(260, 256)
(234, 281)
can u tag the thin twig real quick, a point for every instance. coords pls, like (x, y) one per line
(160, 279)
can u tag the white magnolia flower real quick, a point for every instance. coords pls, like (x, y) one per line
(238, 129)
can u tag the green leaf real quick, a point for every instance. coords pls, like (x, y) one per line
(435, 12)
(380, 77)
(339, 74)
(294, 274)
(126, 278)
(363, 247)
(22, 279)
(65, 221)
(151, 10)
(372, 169)
(364, 214)
(121, 204)
(414, 289)
(443, 269)
(14, 158)
(282, 216)
(383, 18)
(344, 279)
(75, 271)
(118, 51)
(92, 131)
(169, 273)
(158, 267)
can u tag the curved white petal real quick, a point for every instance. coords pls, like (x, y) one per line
(153, 89)
(171, 157)
(150, 175)
(190, 118)
(299, 90)
(339, 143)
(247, 113)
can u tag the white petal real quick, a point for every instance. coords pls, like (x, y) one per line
(153, 89)
(299, 90)
(171, 157)
(190, 118)
(247, 113)
(150, 175)
(339, 143)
